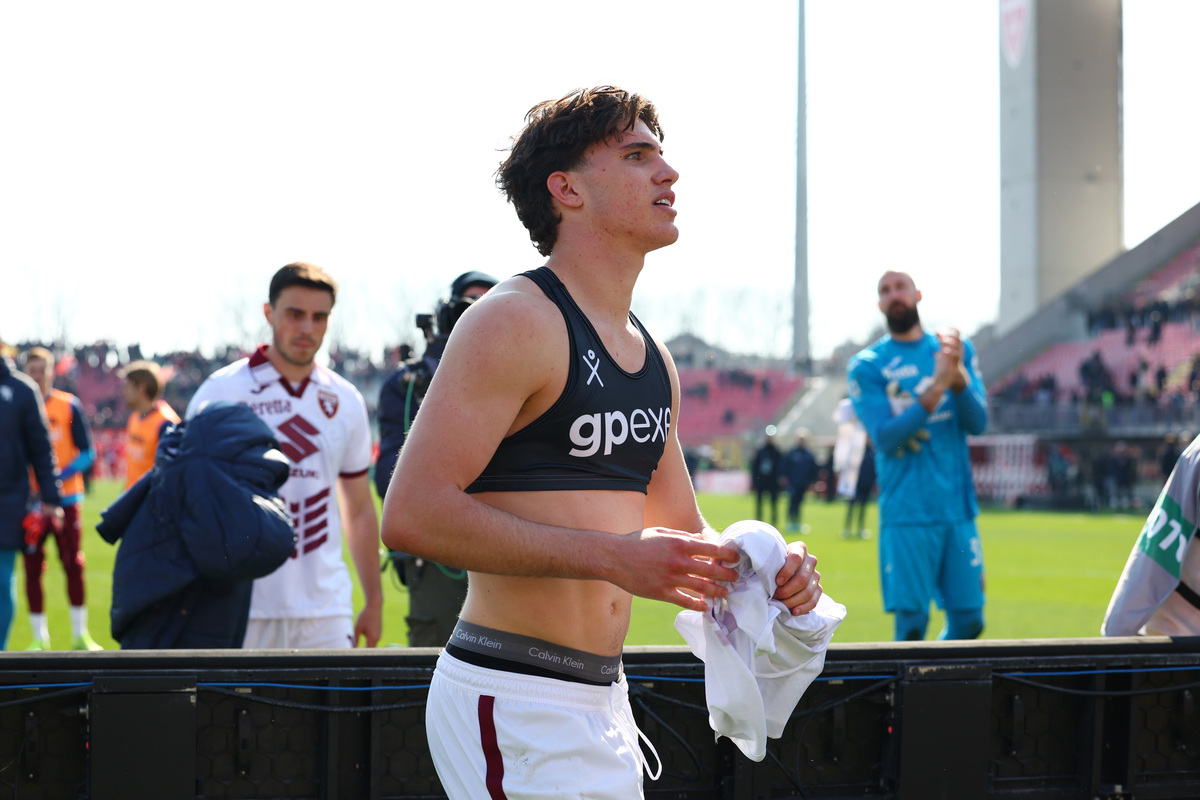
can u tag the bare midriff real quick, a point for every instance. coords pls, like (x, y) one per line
(588, 615)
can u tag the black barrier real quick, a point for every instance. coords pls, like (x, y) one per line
(1082, 719)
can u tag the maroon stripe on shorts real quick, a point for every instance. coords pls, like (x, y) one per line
(491, 748)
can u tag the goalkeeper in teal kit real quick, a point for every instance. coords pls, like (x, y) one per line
(919, 395)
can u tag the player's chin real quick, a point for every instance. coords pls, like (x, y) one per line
(667, 236)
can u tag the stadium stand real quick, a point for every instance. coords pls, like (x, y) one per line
(1134, 360)
(1101, 377)
(720, 403)
(92, 373)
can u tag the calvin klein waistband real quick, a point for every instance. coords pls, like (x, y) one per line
(540, 655)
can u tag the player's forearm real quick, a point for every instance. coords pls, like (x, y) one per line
(936, 390)
(895, 431)
(972, 410)
(81, 463)
(362, 536)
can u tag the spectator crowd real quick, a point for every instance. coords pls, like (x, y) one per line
(92, 373)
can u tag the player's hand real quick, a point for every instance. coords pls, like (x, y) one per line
(798, 580)
(369, 626)
(913, 444)
(675, 566)
(948, 361)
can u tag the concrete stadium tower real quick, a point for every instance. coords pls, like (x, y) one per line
(1060, 148)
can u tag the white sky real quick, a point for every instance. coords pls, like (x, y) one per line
(163, 159)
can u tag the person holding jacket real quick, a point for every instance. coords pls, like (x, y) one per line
(205, 522)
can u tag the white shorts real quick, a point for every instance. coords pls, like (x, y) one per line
(495, 734)
(305, 633)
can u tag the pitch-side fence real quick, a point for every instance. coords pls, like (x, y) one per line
(1038, 719)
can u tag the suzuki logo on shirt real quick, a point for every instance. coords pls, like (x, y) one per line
(612, 428)
(298, 445)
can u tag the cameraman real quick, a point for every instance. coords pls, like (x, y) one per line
(435, 592)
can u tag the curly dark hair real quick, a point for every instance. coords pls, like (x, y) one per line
(555, 137)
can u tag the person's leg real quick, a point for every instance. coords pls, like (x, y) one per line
(758, 498)
(500, 734)
(793, 510)
(908, 557)
(35, 564)
(963, 624)
(8, 593)
(960, 583)
(71, 554)
(910, 626)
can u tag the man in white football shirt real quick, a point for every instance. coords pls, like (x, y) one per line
(321, 423)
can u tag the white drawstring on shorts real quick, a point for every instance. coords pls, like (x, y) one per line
(635, 735)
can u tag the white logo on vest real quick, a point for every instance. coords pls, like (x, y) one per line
(594, 367)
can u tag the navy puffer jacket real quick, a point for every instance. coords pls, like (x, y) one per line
(196, 530)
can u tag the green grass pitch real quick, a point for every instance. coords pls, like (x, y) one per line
(1049, 575)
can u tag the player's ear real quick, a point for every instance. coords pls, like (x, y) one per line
(267, 312)
(562, 188)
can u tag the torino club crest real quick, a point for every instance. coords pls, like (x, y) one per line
(1014, 29)
(328, 402)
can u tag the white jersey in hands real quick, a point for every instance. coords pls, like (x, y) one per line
(758, 659)
(323, 430)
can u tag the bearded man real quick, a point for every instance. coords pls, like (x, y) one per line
(920, 395)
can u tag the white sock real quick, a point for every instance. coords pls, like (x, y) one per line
(78, 621)
(41, 628)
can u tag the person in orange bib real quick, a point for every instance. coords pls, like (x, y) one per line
(72, 443)
(149, 413)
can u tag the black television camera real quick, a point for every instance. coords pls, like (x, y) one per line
(436, 327)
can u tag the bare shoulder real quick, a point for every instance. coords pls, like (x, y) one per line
(515, 305)
(514, 323)
(508, 349)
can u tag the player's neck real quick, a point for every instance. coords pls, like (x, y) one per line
(601, 282)
(913, 334)
(294, 374)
